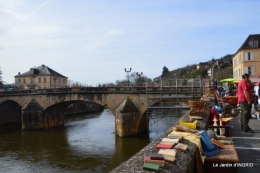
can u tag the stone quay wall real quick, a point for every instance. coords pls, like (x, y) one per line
(185, 162)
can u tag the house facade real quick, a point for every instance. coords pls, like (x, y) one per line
(247, 58)
(41, 77)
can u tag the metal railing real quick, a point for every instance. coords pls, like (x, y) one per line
(169, 92)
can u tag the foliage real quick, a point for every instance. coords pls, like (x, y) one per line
(200, 73)
(134, 79)
(165, 71)
(1, 81)
(71, 83)
(222, 73)
(226, 58)
(191, 71)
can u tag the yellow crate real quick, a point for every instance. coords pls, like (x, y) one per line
(188, 124)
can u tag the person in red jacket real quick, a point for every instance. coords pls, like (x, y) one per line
(245, 99)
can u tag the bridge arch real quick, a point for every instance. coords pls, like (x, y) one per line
(10, 112)
(54, 114)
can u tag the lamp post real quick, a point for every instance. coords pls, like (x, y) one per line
(139, 75)
(127, 71)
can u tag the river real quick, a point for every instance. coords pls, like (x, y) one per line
(86, 143)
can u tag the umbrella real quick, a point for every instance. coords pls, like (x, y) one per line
(236, 81)
(230, 80)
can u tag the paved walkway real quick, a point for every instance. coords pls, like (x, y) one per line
(247, 144)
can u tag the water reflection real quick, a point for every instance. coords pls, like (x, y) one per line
(86, 143)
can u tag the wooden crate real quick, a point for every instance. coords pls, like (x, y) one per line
(197, 107)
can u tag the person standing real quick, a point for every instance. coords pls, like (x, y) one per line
(230, 90)
(245, 98)
(215, 84)
(256, 96)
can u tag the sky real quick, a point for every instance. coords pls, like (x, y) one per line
(93, 41)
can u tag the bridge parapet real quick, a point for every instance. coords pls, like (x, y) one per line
(176, 90)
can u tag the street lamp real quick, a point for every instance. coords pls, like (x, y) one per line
(127, 71)
(139, 75)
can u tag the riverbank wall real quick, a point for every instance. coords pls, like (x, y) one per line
(185, 162)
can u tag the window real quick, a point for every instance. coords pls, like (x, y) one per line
(24, 81)
(249, 71)
(253, 43)
(39, 80)
(234, 61)
(19, 80)
(59, 81)
(63, 81)
(44, 80)
(249, 56)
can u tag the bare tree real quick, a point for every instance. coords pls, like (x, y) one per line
(71, 83)
(121, 82)
(0, 75)
(136, 79)
(1, 81)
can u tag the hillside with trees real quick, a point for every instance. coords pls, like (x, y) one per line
(222, 68)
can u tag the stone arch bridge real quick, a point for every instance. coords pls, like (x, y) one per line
(44, 108)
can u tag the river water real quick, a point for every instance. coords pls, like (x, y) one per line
(86, 143)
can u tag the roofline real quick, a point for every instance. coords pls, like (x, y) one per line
(37, 75)
(241, 47)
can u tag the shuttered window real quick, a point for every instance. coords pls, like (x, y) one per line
(249, 56)
(250, 70)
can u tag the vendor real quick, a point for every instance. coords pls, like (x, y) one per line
(221, 90)
(230, 89)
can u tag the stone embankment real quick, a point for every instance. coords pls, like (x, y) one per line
(185, 161)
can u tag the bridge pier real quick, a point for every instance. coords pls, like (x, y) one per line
(35, 117)
(127, 119)
(32, 115)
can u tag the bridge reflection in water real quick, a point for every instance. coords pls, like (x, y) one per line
(86, 143)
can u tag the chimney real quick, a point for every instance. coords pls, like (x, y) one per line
(18, 73)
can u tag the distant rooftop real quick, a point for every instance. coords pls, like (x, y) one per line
(252, 42)
(42, 70)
